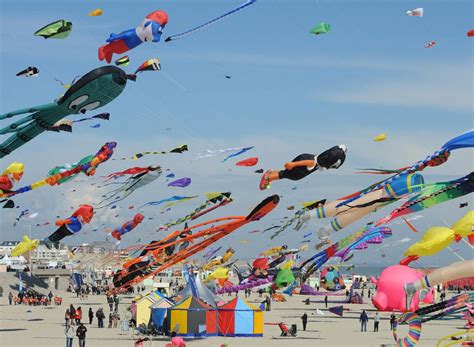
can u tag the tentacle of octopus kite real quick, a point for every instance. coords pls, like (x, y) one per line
(140, 176)
(158, 256)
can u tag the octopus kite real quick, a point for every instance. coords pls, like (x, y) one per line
(95, 89)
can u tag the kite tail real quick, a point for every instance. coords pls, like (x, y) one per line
(212, 21)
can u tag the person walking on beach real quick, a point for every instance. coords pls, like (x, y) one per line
(10, 298)
(91, 315)
(81, 335)
(69, 331)
(72, 314)
(78, 315)
(392, 321)
(326, 300)
(268, 303)
(100, 317)
(110, 301)
(116, 301)
(304, 319)
(376, 322)
(67, 316)
(363, 319)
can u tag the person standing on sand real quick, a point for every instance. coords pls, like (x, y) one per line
(67, 316)
(100, 317)
(10, 298)
(392, 321)
(326, 300)
(304, 319)
(376, 322)
(91, 315)
(363, 319)
(69, 331)
(78, 315)
(81, 335)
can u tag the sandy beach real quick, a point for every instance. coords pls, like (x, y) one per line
(44, 326)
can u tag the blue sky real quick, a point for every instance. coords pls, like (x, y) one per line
(290, 92)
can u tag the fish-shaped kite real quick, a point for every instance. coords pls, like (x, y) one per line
(55, 30)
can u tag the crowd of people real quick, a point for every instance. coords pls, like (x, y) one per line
(32, 298)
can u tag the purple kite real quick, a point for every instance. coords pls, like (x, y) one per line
(182, 182)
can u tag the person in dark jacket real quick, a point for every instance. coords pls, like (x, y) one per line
(363, 319)
(81, 335)
(91, 315)
(304, 319)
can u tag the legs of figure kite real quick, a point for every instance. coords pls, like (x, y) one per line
(57, 236)
(117, 47)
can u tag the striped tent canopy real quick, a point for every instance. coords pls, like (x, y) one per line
(239, 318)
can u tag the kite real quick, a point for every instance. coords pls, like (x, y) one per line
(67, 85)
(431, 195)
(221, 260)
(212, 21)
(414, 329)
(215, 199)
(170, 201)
(171, 175)
(70, 226)
(95, 126)
(149, 65)
(160, 255)
(247, 162)
(445, 274)
(390, 289)
(123, 61)
(95, 13)
(56, 30)
(210, 153)
(241, 151)
(180, 149)
(470, 33)
(140, 176)
(13, 173)
(22, 214)
(26, 245)
(274, 251)
(127, 226)
(321, 28)
(259, 171)
(95, 89)
(346, 215)
(436, 239)
(331, 279)
(221, 274)
(430, 44)
(182, 182)
(211, 252)
(149, 30)
(417, 12)
(380, 137)
(305, 164)
(439, 157)
(30, 71)
(66, 124)
(373, 236)
(88, 168)
(228, 77)
(337, 310)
